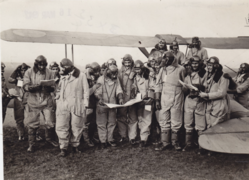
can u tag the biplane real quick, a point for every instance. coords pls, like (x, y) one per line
(231, 136)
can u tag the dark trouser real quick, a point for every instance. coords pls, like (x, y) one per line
(90, 126)
(19, 116)
(127, 121)
(5, 102)
(155, 127)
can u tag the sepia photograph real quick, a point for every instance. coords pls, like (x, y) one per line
(111, 90)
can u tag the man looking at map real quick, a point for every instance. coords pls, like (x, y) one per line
(39, 101)
(109, 91)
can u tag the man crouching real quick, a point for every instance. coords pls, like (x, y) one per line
(108, 92)
(72, 98)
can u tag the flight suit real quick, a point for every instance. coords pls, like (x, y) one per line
(73, 98)
(5, 98)
(201, 53)
(172, 101)
(194, 108)
(179, 57)
(155, 115)
(90, 126)
(144, 115)
(242, 89)
(19, 104)
(38, 103)
(218, 104)
(127, 116)
(106, 117)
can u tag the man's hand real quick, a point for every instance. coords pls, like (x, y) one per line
(34, 88)
(148, 101)
(227, 76)
(57, 96)
(133, 92)
(121, 101)
(158, 105)
(19, 78)
(97, 86)
(48, 89)
(203, 95)
(120, 98)
(101, 102)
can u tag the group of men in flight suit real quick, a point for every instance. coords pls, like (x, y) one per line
(176, 91)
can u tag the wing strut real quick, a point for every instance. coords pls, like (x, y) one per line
(72, 53)
(66, 50)
(144, 51)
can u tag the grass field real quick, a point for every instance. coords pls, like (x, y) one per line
(122, 162)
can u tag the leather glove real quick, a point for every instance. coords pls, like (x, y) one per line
(158, 105)
(34, 88)
(121, 101)
(101, 102)
(48, 89)
(133, 93)
(120, 98)
(227, 76)
(148, 101)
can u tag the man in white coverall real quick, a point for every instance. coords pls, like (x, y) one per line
(72, 99)
(169, 100)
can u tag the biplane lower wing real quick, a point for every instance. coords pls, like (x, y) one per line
(231, 136)
(95, 39)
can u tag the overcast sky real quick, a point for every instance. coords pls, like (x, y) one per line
(186, 18)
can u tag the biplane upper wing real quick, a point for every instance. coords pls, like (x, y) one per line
(94, 39)
(241, 42)
(77, 38)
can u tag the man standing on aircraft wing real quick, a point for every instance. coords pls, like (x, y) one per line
(169, 100)
(20, 101)
(39, 101)
(161, 46)
(111, 62)
(145, 108)
(174, 47)
(195, 49)
(194, 107)
(127, 116)
(109, 91)
(241, 92)
(72, 99)
(90, 126)
(216, 84)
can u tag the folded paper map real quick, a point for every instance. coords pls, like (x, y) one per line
(129, 103)
(189, 86)
(50, 82)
